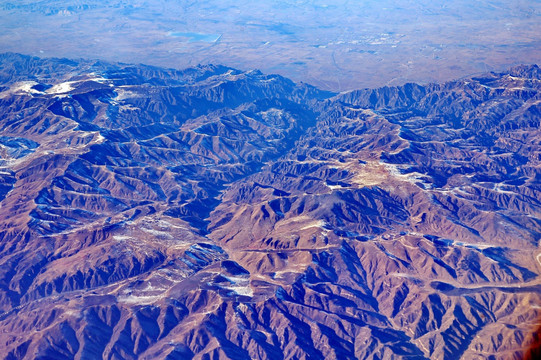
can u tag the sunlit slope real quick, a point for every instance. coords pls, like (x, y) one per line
(160, 214)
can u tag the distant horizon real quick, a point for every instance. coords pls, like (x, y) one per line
(338, 46)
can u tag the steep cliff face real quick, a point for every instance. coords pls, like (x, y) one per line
(212, 213)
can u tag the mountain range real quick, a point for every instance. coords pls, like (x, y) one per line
(212, 213)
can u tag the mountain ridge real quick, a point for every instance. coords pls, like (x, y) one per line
(213, 213)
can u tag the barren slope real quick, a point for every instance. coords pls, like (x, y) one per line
(212, 213)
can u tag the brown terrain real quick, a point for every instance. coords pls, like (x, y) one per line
(212, 213)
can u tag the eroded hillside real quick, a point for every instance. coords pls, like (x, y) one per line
(213, 213)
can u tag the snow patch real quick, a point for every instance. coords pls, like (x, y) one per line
(273, 112)
(122, 238)
(99, 139)
(61, 88)
(21, 88)
(143, 300)
(498, 188)
(240, 285)
(412, 177)
(128, 107)
(475, 246)
(158, 233)
(124, 94)
(315, 224)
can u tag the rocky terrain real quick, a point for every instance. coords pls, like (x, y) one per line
(211, 213)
